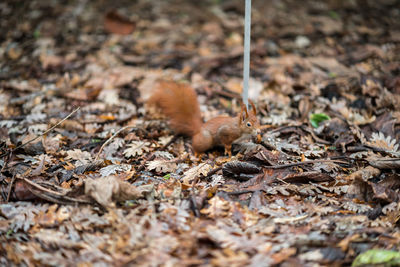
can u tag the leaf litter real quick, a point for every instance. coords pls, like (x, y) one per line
(111, 185)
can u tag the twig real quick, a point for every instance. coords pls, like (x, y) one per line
(20, 100)
(212, 172)
(282, 181)
(43, 189)
(245, 191)
(111, 138)
(303, 163)
(316, 138)
(47, 131)
(52, 193)
(10, 188)
(196, 209)
(6, 161)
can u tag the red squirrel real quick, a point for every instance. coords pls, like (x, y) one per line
(179, 103)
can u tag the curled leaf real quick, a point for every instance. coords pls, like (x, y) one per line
(108, 189)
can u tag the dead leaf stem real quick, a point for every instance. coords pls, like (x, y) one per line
(52, 193)
(111, 138)
(46, 132)
(10, 188)
(303, 163)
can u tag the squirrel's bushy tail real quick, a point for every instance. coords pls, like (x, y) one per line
(179, 103)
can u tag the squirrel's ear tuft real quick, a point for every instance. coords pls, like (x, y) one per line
(244, 110)
(243, 114)
(253, 107)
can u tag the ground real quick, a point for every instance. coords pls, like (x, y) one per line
(90, 177)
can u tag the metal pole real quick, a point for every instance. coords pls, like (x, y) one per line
(246, 52)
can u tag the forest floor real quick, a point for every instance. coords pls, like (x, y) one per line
(88, 178)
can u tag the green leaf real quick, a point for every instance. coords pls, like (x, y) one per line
(334, 15)
(317, 118)
(130, 203)
(378, 256)
(167, 176)
(9, 232)
(36, 34)
(332, 75)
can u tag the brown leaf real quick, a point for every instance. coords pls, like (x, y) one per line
(241, 170)
(115, 77)
(108, 189)
(116, 23)
(84, 94)
(365, 174)
(306, 177)
(383, 191)
(136, 148)
(219, 207)
(162, 165)
(387, 189)
(20, 192)
(191, 174)
(384, 163)
(344, 244)
(51, 61)
(283, 255)
(47, 219)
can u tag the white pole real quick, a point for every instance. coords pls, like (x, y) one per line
(246, 52)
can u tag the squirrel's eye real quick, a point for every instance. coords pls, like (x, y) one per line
(248, 124)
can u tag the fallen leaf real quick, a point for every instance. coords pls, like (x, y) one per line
(136, 148)
(108, 189)
(191, 174)
(116, 23)
(161, 165)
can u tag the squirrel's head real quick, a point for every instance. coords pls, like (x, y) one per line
(248, 121)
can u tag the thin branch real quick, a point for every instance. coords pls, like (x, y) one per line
(212, 172)
(52, 194)
(110, 139)
(303, 163)
(46, 132)
(41, 188)
(10, 188)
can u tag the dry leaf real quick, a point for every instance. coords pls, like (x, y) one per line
(136, 148)
(109, 96)
(114, 168)
(219, 207)
(114, 22)
(387, 143)
(161, 165)
(191, 174)
(83, 157)
(115, 77)
(52, 144)
(365, 174)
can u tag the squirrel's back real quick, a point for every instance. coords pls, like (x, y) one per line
(179, 103)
